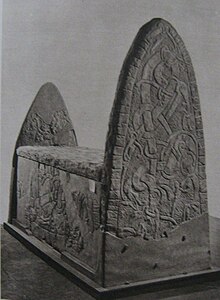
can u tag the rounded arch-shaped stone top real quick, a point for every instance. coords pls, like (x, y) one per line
(154, 157)
(47, 123)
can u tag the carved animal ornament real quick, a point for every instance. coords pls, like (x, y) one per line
(162, 164)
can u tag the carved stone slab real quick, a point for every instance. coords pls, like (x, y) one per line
(77, 160)
(60, 209)
(155, 158)
(155, 144)
(47, 123)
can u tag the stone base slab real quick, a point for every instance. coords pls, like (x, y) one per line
(53, 258)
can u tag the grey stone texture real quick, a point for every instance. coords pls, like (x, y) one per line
(47, 122)
(59, 208)
(77, 160)
(155, 146)
(144, 215)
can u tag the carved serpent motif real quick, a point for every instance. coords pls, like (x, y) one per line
(160, 169)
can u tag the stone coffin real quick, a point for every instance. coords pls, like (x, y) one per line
(138, 211)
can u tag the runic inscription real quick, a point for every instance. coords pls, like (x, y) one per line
(161, 165)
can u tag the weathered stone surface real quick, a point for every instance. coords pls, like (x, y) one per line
(157, 212)
(77, 160)
(47, 122)
(58, 208)
(162, 166)
(144, 215)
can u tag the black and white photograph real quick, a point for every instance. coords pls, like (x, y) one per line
(110, 149)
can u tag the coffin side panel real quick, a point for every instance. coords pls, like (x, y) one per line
(59, 209)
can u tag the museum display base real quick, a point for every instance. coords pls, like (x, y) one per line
(53, 258)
